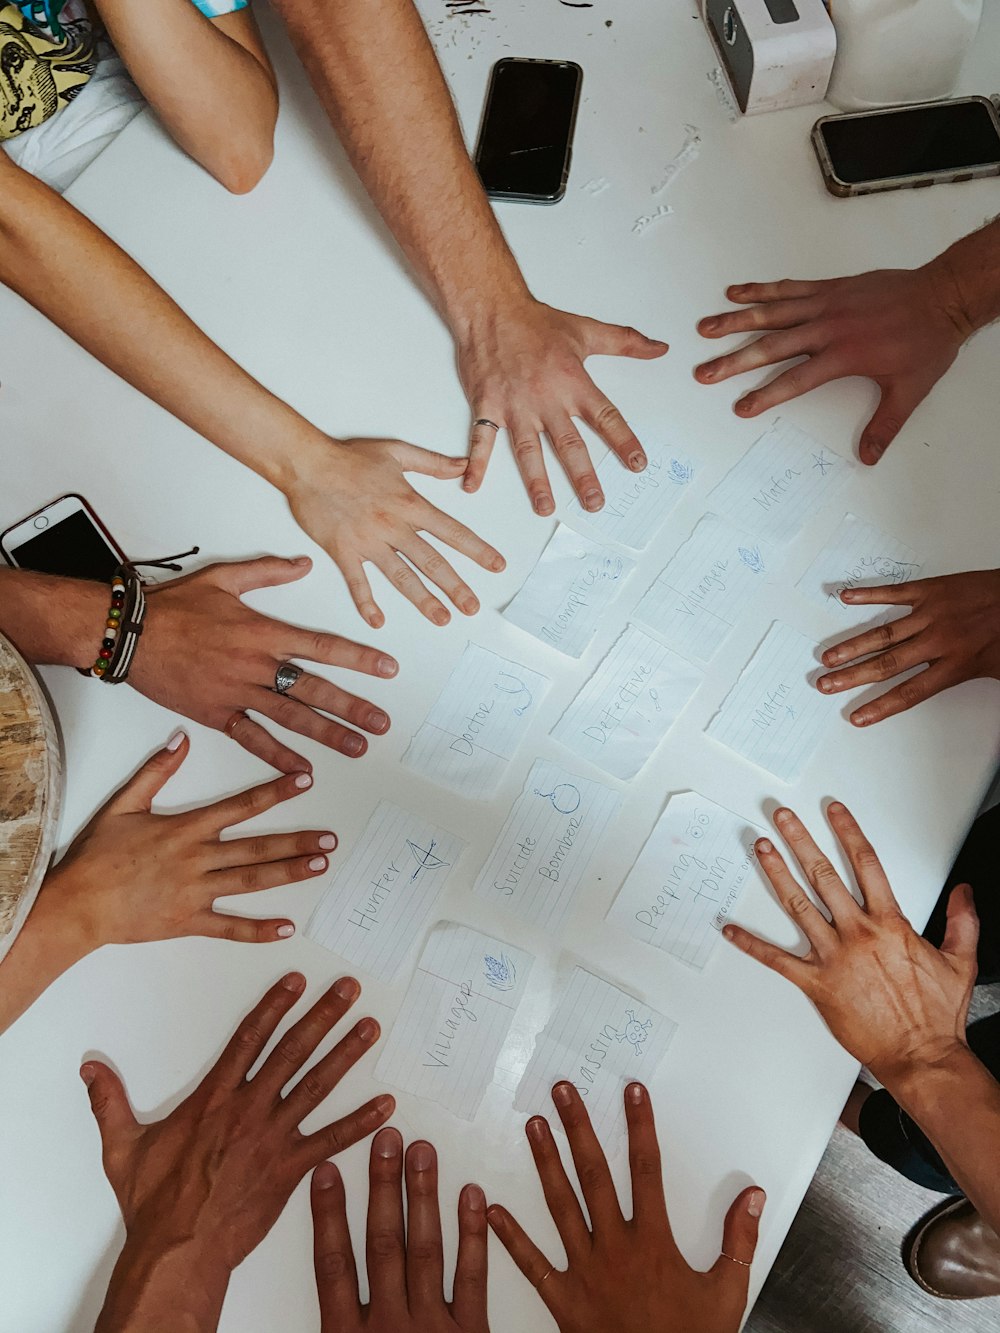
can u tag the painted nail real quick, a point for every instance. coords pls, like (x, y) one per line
(475, 1199)
(592, 500)
(387, 666)
(765, 846)
(421, 1156)
(303, 781)
(543, 505)
(328, 841)
(176, 741)
(285, 932)
(88, 1073)
(347, 988)
(325, 1176)
(353, 745)
(368, 1029)
(387, 1143)
(294, 981)
(535, 1129)
(562, 1094)
(755, 1203)
(317, 863)
(377, 720)
(637, 461)
(635, 1093)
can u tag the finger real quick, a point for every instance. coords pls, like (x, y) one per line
(240, 929)
(559, 1193)
(234, 852)
(481, 442)
(347, 1131)
(599, 1193)
(254, 1032)
(739, 1237)
(296, 716)
(526, 1254)
(786, 964)
(903, 697)
(334, 650)
(315, 692)
(803, 378)
(767, 351)
(412, 458)
(385, 1246)
(961, 933)
(460, 538)
(361, 594)
(793, 898)
(143, 786)
(527, 449)
(872, 879)
(602, 416)
(787, 289)
(240, 576)
(317, 1083)
(403, 579)
(756, 318)
(333, 1253)
(434, 567)
(571, 451)
(621, 340)
(299, 1042)
(649, 1207)
(256, 741)
(468, 1304)
(818, 869)
(117, 1125)
(883, 667)
(424, 1250)
(895, 408)
(872, 640)
(253, 801)
(266, 875)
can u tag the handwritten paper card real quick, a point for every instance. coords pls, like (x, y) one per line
(858, 555)
(628, 705)
(455, 1018)
(599, 1039)
(687, 879)
(382, 895)
(773, 716)
(780, 482)
(545, 847)
(568, 592)
(479, 720)
(636, 503)
(701, 593)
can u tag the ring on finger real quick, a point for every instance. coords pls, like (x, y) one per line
(233, 723)
(285, 677)
(548, 1273)
(742, 1262)
(485, 421)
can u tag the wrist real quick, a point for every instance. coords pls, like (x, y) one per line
(479, 309)
(164, 1284)
(965, 280)
(53, 621)
(910, 1074)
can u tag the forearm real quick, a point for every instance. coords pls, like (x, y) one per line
(69, 270)
(378, 77)
(969, 273)
(53, 621)
(42, 952)
(162, 1287)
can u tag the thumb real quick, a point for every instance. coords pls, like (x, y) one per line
(895, 406)
(739, 1232)
(266, 572)
(109, 1104)
(961, 935)
(142, 787)
(618, 340)
(411, 458)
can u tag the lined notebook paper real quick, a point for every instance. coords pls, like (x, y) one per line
(858, 555)
(481, 716)
(380, 899)
(773, 716)
(600, 1039)
(455, 1018)
(567, 594)
(705, 587)
(636, 503)
(780, 482)
(688, 878)
(628, 705)
(545, 847)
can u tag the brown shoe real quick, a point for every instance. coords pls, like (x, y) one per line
(953, 1254)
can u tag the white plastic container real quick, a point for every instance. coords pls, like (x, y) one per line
(892, 51)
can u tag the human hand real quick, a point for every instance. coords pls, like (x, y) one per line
(625, 1276)
(889, 997)
(405, 1271)
(901, 328)
(353, 499)
(524, 371)
(953, 626)
(133, 876)
(209, 1180)
(206, 655)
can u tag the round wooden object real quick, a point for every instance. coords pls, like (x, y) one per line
(31, 773)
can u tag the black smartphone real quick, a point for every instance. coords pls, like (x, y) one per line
(902, 147)
(65, 537)
(526, 137)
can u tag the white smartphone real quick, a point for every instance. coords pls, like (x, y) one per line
(65, 537)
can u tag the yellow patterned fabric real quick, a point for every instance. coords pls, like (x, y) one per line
(38, 72)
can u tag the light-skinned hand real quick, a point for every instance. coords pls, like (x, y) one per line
(889, 997)
(206, 655)
(405, 1260)
(901, 328)
(953, 627)
(625, 1275)
(524, 371)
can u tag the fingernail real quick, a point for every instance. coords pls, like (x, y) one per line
(368, 1029)
(543, 505)
(387, 1143)
(176, 740)
(836, 808)
(440, 616)
(421, 1156)
(469, 606)
(861, 719)
(848, 594)
(562, 1094)
(325, 1176)
(637, 462)
(375, 618)
(377, 720)
(300, 560)
(468, 485)
(593, 500)
(387, 666)
(706, 373)
(825, 683)
(475, 1199)
(498, 564)
(285, 932)
(783, 815)
(328, 841)
(635, 1093)
(88, 1073)
(736, 290)
(353, 745)
(347, 988)
(294, 981)
(755, 1202)
(744, 405)
(385, 1105)
(764, 845)
(831, 657)
(317, 863)
(303, 781)
(535, 1129)
(709, 325)
(729, 932)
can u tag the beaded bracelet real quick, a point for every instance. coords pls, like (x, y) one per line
(126, 617)
(111, 627)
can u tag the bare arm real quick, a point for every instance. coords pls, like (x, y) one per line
(209, 81)
(52, 621)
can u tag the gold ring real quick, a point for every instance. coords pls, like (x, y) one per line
(742, 1262)
(551, 1270)
(233, 722)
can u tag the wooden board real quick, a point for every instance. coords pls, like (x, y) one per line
(30, 789)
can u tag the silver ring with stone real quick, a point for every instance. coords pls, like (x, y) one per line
(285, 677)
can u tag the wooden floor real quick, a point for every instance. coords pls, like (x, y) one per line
(840, 1271)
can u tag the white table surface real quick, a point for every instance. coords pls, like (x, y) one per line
(302, 284)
